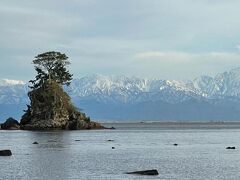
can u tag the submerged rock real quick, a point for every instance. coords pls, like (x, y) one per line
(6, 152)
(230, 147)
(153, 172)
(35, 142)
(10, 124)
(109, 128)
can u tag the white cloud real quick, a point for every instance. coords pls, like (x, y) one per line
(99, 37)
(184, 65)
(186, 57)
(165, 56)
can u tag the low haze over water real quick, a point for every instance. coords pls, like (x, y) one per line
(201, 152)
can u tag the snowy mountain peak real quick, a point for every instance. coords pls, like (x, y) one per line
(132, 89)
(166, 98)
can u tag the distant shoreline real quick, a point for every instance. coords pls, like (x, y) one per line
(173, 125)
(168, 122)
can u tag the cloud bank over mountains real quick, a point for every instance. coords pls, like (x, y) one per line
(147, 38)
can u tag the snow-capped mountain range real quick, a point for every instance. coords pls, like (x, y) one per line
(131, 90)
(120, 97)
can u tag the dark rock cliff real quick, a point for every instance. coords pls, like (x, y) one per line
(51, 108)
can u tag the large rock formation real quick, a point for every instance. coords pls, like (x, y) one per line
(51, 108)
(10, 124)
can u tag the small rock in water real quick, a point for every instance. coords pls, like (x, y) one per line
(35, 142)
(175, 144)
(113, 147)
(110, 128)
(6, 152)
(230, 147)
(77, 140)
(152, 172)
(10, 124)
(110, 140)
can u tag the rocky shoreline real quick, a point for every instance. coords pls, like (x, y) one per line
(13, 124)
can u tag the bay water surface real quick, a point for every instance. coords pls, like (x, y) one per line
(201, 152)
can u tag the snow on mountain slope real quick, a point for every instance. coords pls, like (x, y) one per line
(222, 85)
(13, 92)
(120, 97)
(134, 90)
(126, 90)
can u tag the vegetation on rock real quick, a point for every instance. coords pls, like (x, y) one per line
(51, 107)
(51, 66)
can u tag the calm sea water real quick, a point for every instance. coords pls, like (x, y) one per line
(201, 153)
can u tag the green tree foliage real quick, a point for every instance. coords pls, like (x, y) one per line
(51, 66)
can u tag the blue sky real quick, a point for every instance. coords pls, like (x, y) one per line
(167, 39)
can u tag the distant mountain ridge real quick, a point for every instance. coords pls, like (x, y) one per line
(120, 97)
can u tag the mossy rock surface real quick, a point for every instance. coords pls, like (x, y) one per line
(51, 108)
